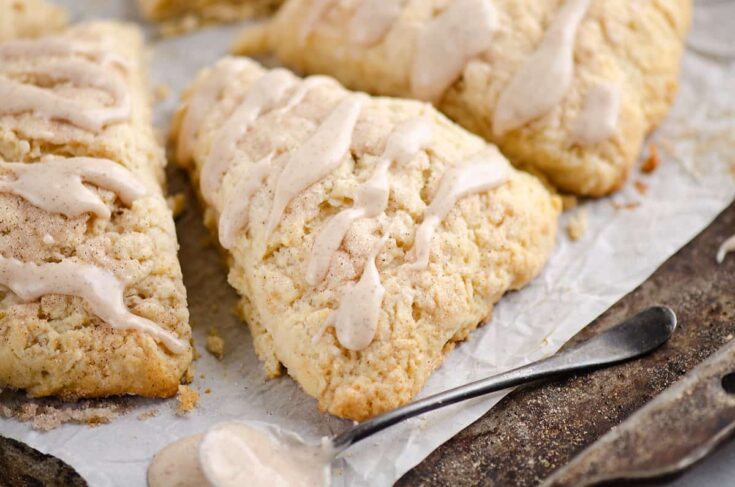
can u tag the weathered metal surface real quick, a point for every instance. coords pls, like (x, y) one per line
(22, 466)
(539, 428)
(677, 428)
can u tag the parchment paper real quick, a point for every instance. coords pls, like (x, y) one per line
(621, 248)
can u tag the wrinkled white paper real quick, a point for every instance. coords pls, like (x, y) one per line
(620, 249)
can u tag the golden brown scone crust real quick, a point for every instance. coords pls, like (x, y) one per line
(206, 11)
(636, 43)
(29, 18)
(488, 244)
(55, 346)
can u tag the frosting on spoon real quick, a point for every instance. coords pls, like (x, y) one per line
(317, 157)
(482, 172)
(545, 78)
(102, 291)
(372, 21)
(57, 185)
(463, 31)
(371, 198)
(356, 319)
(599, 117)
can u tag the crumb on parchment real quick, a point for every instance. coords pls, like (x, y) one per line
(188, 399)
(161, 92)
(640, 186)
(215, 343)
(48, 414)
(147, 414)
(652, 161)
(577, 225)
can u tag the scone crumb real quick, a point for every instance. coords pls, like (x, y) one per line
(188, 399)
(577, 225)
(625, 206)
(215, 344)
(569, 201)
(161, 92)
(49, 414)
(207, 391)
(640, 186)
(147, 414)
(177, 203)
(652, 161)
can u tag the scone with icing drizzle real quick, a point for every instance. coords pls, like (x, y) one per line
(92, 301)
(366, 235)
(29, 18)
(567, 87)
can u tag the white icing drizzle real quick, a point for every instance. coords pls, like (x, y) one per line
(57, 184)
(599, 117)
(235, 214)
(20, 97)
(481, 172)
(102, 291)
(57, 46)
(545, 78)
(372, 21)
(356, 319)
(371, 198)
(264, 93)
(463, 31)
(726, 247)
(316, 11)
(202, 100)
(317, 157)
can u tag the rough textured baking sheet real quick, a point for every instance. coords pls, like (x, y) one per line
(627, 238)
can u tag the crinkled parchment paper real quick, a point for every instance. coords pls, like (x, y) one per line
(628, 236)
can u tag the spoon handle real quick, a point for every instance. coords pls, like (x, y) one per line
(633, 337)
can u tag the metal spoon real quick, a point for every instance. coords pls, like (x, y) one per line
(632, 338)
(298, 460)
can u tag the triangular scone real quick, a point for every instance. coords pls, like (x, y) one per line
(92, 301)
(366, 235)
(569, 88)
(29, 18)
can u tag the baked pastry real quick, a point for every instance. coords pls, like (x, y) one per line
(92, 301)
(198, 12)
(569, 88)
(366, 235)
(29, 18)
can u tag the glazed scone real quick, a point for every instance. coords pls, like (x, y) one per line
(29, 18)
(366, 235)
(567, 87)
(92, 301)
(182, 15)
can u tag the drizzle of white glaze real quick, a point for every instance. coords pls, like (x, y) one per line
(481, 172)
(726, 247)
(57, 47)
(372, 21)
(102, 291)
(463, 31)
(599, 117)
(316, 11)
(57, 184)
(371, 198)
(356, 319)
(545, 78)
(20, 97)
(317, 157)
(263, 94)
(235, 214)
(202, 100)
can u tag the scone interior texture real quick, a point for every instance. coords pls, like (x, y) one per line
(29, 18)
(92, 301)
(366, 235)
(206, 10)
(567, 87)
